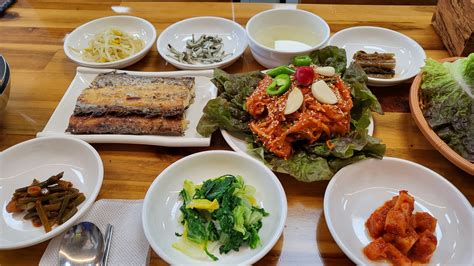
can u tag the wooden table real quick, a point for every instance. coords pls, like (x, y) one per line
(31, 38)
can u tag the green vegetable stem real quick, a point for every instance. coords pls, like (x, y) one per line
(280, 70)
(302, 60)
(280, 85)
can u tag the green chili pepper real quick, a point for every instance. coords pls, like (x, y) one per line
(302, 60)
(280, 85)
(280, 70)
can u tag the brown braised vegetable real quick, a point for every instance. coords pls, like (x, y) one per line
(12, 207)
(43, 217)
(34, 191)
(36, 222)
(41, 198)
(52, 180)
(68, 214)
(53, 207)
(80, 198)
(63, 208)
(46, 203)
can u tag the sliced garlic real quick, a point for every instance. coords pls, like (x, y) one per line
(327, 71)
(294, 101)
(323, 93)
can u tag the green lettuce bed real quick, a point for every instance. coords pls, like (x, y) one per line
(448, 95)
(309, 162)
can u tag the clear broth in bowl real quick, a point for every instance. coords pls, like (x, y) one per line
(287, 38)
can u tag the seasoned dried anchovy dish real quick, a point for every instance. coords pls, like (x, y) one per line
(206, 49)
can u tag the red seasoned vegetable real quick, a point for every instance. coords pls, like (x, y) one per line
(304, 75)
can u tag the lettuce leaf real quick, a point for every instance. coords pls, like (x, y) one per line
(364, 100)
(317, 161)
(447, 92)
(330, 56)
(227, 110)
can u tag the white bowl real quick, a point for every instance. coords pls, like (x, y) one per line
(80, 37)
(42, 158)
(233, 35)
(5, 83)
(358, 189)
(409, 55)
(161, 206)
(271, 58)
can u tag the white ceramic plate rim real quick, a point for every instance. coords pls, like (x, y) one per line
(408, 39)
(162, 140)
(231, 140)
(83, 208)
(261, 253)
(323, 40)
(333, 181)
(145, 49)
(240, 50)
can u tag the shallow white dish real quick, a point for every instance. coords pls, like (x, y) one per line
(205, 91)
(358, 189)
(42, 158)
(409, 55)
(233, 35)
(237, 140)
(271, 58)
(161, 213)
(80, 37)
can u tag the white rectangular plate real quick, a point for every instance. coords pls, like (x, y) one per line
(205, 91)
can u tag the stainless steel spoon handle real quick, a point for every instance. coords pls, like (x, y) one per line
(108, 240)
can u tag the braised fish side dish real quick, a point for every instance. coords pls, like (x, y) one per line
(376, 65)
(119, 103)
(401, 236)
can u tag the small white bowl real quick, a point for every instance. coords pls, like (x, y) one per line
(271, 58)
(40, 159)
(409, 55)
(233, 35)
(5, 83)
(161, 213)
(80, 37)
(358, 189)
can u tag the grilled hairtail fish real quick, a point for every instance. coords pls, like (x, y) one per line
(123, 94)
(135, 125)
(118, 103)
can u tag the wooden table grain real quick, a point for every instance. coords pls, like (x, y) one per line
(31, 38)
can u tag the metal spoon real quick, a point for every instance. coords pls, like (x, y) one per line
(83, 244)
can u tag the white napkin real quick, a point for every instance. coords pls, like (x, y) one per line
(129, 245)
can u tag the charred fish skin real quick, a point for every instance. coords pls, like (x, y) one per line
(150, 100)
(120, 103)
(114, 79)
(123, 94)
(376, 65)
(134, 125)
